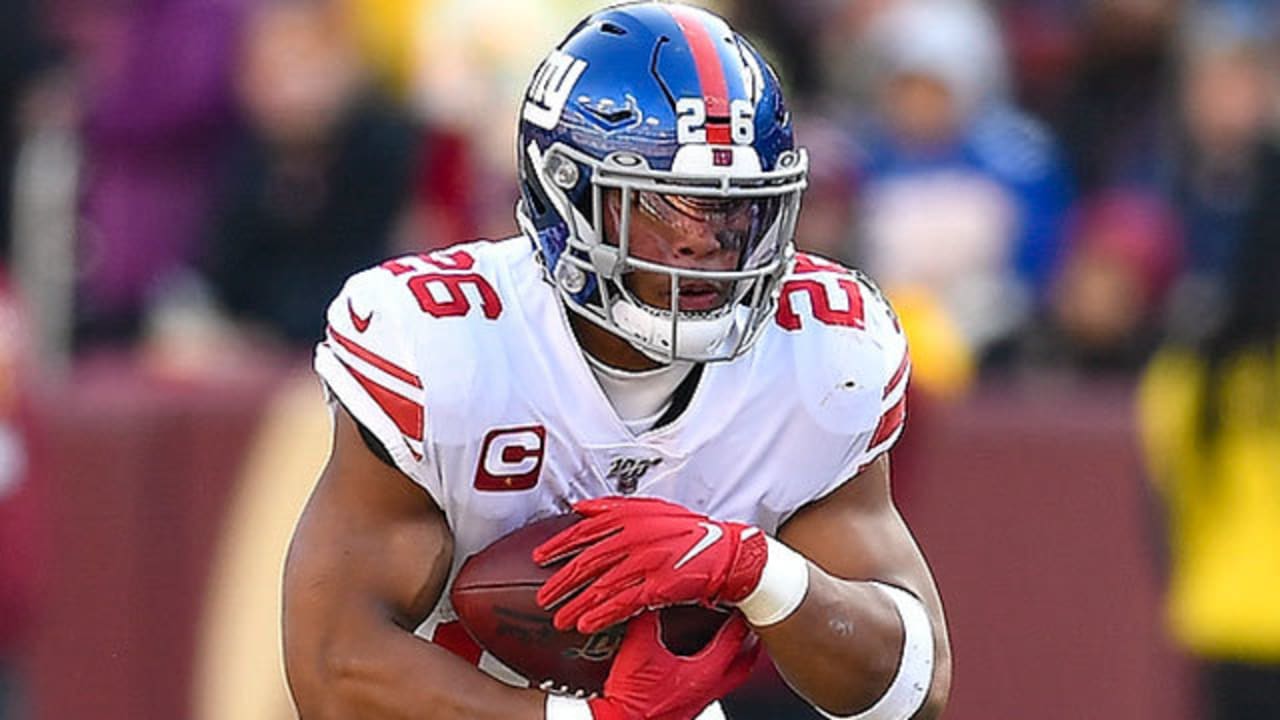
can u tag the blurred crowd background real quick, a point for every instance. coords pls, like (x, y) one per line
(1050, 192)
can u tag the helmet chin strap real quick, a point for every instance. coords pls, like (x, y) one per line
(651, 332)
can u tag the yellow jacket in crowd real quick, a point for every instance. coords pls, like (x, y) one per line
(1222, 492)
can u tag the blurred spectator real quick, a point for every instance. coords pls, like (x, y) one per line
(786, 33)
(317, 185)
(1116, 123)
(384, 31)
(443, 205)
(17, 518)
(23, 52)
(823, 227)
(962, 195)
(155, 76)
(1210, 416)
(39, 168)
(1044, 49)
(1226, 96)
(1107, 299)
(472, 62)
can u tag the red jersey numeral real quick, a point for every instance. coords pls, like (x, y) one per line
(445, 273)
(457, 303)
(820, 301)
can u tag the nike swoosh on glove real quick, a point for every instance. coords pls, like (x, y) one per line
(633, 554)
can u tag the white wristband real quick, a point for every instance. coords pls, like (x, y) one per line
(783, 584)
(910, 686)
(566, 708)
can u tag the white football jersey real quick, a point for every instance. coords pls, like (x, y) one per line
(463, 364)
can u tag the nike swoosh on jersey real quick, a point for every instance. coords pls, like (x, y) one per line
(361, 323)
(714, 533)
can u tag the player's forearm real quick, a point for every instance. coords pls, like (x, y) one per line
(393, 675)
(839, 648)
(842, 648)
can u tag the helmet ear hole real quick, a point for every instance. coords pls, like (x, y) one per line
(582, 201)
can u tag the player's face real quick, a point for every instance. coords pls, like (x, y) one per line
(683, 232)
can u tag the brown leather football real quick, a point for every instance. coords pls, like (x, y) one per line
(494, 596)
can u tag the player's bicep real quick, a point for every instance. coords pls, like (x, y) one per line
(856, 533)
(370, 549)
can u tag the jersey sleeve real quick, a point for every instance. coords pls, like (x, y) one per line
(368, 364)
(896, 374)
(883, 360)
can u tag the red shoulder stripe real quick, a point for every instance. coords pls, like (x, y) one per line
(407, 414)
(898, 374)
(375, 360)
(890, 422)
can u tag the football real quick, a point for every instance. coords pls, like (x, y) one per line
(494, 596)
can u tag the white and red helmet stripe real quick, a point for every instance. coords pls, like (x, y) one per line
(715, 87)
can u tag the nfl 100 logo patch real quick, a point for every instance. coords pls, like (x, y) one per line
(625, 472)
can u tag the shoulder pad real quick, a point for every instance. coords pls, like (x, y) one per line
(852, 363)
(368, 364)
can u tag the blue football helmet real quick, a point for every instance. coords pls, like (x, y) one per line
(660, 109)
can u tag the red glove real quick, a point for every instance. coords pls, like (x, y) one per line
(640, 553)
(649, 681)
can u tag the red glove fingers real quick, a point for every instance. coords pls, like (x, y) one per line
(639, 553)
(573, 538)
(597, 557)
(648, 681)
(639, 583)
(587, 531)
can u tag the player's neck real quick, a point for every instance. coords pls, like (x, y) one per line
(640, 390)
(608, 348)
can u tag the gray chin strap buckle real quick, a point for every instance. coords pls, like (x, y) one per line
(606, 261)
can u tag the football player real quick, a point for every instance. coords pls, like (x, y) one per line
(652, 353)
